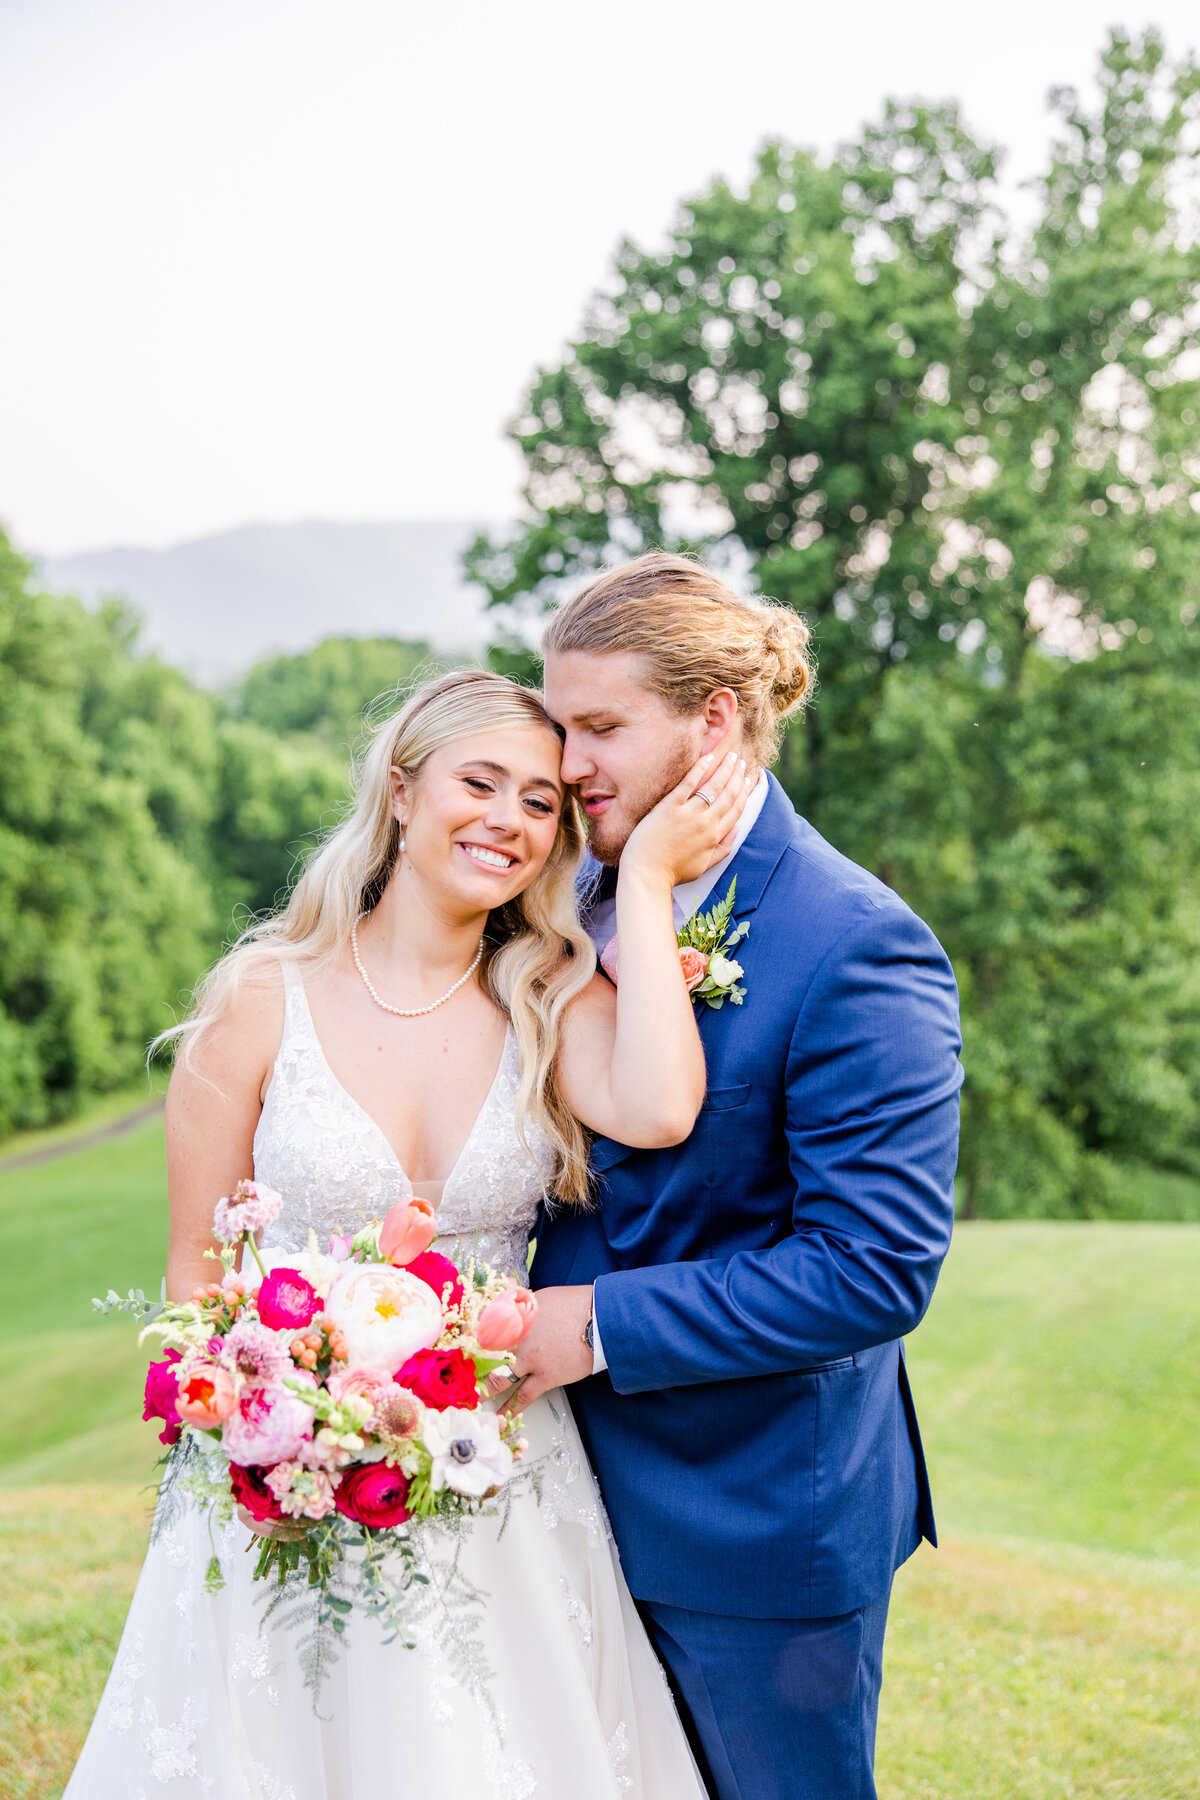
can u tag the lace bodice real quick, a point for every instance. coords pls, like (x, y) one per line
(335, 1168)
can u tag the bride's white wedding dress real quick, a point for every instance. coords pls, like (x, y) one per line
(204, 1699)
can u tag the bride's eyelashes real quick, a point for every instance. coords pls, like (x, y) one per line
(478, 784)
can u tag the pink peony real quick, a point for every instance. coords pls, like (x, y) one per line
(504, 1321)
(383, 1314)
(373, 1495)
(286, 1302)
(268, 1425)
(252, 1206)
(441, 1378)
(207, 1396)
(608, 960)
(438, 1272)
(366, 1380)
(409, 1228)
(694, 964)
(162, 1396)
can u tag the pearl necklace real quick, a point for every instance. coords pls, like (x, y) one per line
(402, 1012)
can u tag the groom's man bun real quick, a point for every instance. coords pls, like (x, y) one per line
(694, 635)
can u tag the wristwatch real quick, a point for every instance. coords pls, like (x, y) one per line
(588, 1334)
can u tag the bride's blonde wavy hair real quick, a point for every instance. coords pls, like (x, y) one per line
(537, 955)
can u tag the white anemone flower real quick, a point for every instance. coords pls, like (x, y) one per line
(384, 1314)
(467, 1451)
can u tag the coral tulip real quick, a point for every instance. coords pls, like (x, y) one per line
(409, 1228)
(505, 1320)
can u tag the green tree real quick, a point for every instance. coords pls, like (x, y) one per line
(969, 456)
(102, 918)
(326, 690)
(274, 797)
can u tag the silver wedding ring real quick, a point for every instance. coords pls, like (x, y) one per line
(701, 795)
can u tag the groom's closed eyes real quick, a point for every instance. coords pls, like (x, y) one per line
(598, 724)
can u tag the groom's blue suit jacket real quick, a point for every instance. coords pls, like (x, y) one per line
(754, 1434)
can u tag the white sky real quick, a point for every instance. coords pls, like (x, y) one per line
(276, 259)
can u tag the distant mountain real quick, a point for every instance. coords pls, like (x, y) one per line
(216, 604)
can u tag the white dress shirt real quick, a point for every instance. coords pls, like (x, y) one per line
(687, 897)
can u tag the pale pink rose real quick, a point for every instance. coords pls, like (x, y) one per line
(206, 1396)
(384, 1314)
(366, 1380)
(608, 960)
(694, 964)
(339, 1248)
(505, 1320)
(409, 1228)
(269, 1424)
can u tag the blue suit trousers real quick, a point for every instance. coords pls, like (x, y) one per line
(776, 1709)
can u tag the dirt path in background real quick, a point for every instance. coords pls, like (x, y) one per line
(87, 1140)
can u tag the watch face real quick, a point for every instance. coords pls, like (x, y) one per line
(589, 1334)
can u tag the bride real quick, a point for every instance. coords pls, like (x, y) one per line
(424, 1018)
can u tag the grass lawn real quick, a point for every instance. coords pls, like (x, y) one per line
(1057, 1378)
(69, 1229)
(1049, 1649)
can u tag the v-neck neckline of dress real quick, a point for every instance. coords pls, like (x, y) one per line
(374, 1124)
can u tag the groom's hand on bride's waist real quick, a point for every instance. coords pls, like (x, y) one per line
(553, 1352)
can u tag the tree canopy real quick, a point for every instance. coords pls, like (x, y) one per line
(968, 452)
(142, 822)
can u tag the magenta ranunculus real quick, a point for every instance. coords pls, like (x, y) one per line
(373, 1495)
(162, 1397)
(441, 1378)
(286, 1302)
(438, 1272)
(268, 1425)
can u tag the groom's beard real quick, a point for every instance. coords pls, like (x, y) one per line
(609, 834)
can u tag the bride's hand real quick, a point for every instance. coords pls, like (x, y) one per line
(693, 826)
(271, 1528)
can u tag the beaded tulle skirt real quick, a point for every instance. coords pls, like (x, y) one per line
(208, 1697)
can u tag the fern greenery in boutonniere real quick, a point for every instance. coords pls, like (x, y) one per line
(704, 943)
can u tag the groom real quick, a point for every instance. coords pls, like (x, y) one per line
(733, 1307)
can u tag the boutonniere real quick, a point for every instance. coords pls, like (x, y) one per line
(711, 974)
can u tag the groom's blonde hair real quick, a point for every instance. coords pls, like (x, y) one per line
(537, 954)
(694, 635)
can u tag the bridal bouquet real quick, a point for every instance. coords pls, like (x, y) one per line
(337, 1397)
